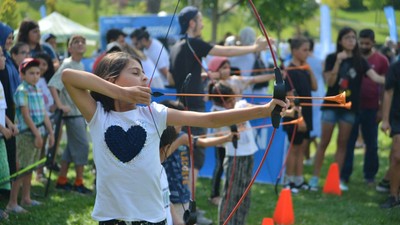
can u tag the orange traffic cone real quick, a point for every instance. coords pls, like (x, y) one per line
(284, 208)
(332, 183)
(267, 221)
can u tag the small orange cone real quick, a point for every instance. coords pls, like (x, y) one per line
(332, 183)
(284, 208)
(267, 221)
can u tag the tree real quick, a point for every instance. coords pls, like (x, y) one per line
(153, 6)
(8, 13)
(95, 6)
(279, 14)
(335, 5)
(51, 5)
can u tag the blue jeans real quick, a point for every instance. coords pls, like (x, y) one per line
(366, 118)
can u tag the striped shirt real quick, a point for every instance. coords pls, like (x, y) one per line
(31, 97)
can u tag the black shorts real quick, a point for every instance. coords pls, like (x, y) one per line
(395, 126)
(299, 136)
(198, 152)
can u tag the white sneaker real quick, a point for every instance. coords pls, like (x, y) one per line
(343, 186)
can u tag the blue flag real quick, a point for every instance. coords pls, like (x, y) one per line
(390, 17)
(42, 11)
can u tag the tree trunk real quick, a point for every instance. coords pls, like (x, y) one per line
(153, 6)
(215, 20)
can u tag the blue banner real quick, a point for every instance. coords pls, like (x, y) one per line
(391, 19)
(275, 157)
(325, 34)
(157, 26)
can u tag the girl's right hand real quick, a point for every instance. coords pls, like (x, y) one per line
(385, 126)
(38, 142)
(138, 95)
(342, 55)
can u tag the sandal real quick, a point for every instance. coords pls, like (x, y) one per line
(17, 209)
(33, 203)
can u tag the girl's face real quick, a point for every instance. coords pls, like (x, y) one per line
(34, 36)
(2, 60)
(302, 52)
(229, 103)
(225, 70)
(43, 66)
(197, 30)
(348, 41)
(9, 41)
(132, 75)
(23, 53)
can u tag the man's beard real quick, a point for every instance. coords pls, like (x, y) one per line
(365, 51)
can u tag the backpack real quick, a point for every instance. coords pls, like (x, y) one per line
(259, 64)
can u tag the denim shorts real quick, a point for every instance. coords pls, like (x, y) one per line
(335, 116)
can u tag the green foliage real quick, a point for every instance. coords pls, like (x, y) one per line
(277, 15)
(51, 5)
(9, 13)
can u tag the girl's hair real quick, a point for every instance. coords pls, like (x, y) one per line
(23, 33)
(220, 87)
(356, 51)
(50, 67)
(168, 136)
(110, 67)
(140, 33)
(15, 49)
(297, 42)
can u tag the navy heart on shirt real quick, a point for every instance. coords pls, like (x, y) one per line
(125, 145)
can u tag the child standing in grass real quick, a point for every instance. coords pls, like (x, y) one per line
(31, 113)
(301, 82)
(126, 136)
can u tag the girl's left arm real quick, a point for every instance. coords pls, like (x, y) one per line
(375, 77)
(223, 118)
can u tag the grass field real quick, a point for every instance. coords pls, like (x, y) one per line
(359, 206)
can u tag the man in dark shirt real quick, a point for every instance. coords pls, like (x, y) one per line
(183, 62)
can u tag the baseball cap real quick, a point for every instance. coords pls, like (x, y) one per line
(216, 62)
(28, 63)
(113, 47)
(186, 14)
(46, 37)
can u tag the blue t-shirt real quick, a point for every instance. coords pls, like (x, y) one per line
(177, 167)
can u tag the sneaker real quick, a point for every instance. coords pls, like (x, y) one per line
(303, 186)
(343, 186)
(313, 184)
(308, 162)
(82, 189)
(65, 187)
(292, 187)
(390, 203)
(383, 186)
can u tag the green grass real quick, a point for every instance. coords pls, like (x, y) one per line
(358, 206)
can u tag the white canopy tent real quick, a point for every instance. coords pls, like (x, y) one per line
(63, 28)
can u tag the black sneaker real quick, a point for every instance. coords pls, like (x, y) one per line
(303, 186)
(292, 188)
(383, 186)
(82, 189)
(65, 187)
(390, 203)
